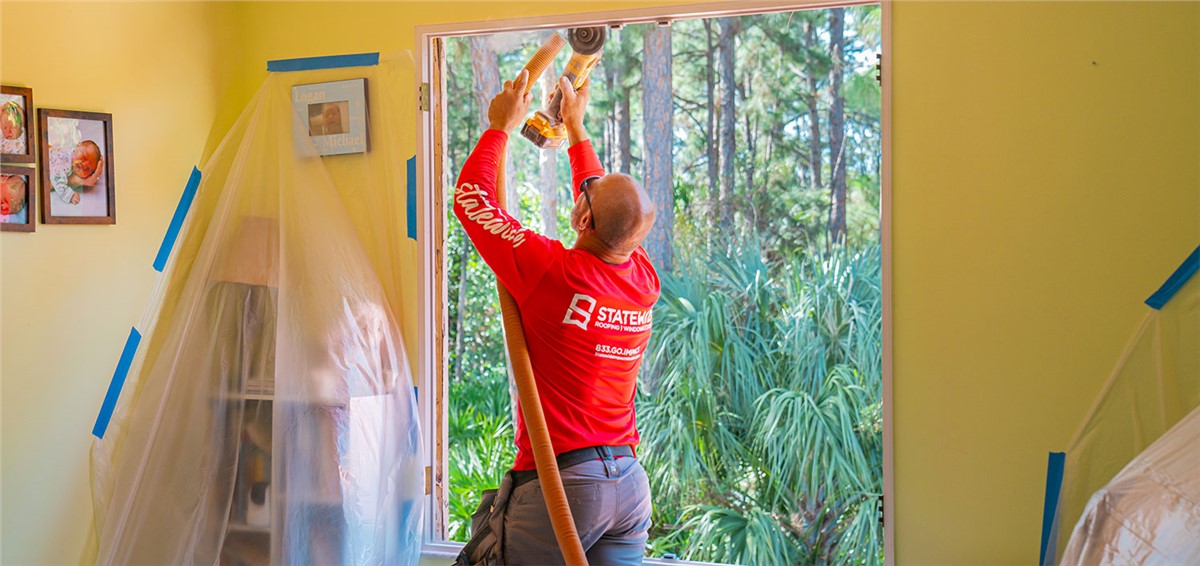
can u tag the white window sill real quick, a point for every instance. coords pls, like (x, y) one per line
(435, 552)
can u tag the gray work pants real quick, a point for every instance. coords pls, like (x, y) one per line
(611, 508)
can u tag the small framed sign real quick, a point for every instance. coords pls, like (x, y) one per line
(16, 113)
(333, 115)
(17, 199)
(77, 167)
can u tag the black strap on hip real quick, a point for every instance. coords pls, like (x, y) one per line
(608, 454)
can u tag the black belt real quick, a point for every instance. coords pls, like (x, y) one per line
(568, 459)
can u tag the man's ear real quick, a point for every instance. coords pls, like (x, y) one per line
(584, 221)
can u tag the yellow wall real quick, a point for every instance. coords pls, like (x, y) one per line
(1038, 199)
(71, 293)
(1047, 181)
(283, 30)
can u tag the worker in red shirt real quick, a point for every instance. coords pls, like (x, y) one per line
(586, 312)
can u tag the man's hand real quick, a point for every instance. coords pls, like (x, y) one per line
(509, 107)
(574, 103)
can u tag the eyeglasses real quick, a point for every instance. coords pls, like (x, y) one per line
(583, 188)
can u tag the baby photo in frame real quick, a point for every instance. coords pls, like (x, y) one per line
(77, 167)
(16, 111)
(333, 115)
(17, 199)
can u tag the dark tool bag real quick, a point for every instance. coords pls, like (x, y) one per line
(487, 528)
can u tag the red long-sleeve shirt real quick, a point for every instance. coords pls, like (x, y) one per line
(586, 322)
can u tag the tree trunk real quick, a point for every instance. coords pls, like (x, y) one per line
(549, 175)
(624, 145)
(486, 71)
(658, 113)
(710, 130)
(749, 204)
(607, 155)
(815, 162)
(619, 64)
(460, 313)
(726, 42)
(837, 131)
(453, 159)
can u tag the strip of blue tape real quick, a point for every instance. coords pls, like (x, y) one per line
(118, 381)
(411, 166)
(328, 62)
(1054, 478)
(181, 211)
(1175, 281)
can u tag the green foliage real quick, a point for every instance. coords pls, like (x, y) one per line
(760, 408)
(482, 450)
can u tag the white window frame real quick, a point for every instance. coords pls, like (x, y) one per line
(431, 214)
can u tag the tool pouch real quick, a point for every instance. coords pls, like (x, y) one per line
(487, 528)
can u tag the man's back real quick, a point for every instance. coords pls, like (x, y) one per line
(587, 324)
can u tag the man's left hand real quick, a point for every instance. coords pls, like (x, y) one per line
(509, 107)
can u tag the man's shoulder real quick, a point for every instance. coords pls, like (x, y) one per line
(636, 272)
(642, 258)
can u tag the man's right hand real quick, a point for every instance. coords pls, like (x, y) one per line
(574, 106)
(509, 107)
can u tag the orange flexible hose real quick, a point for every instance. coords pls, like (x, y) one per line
(535, 420)
(518, 353)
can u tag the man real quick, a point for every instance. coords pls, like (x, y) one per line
(586, 313)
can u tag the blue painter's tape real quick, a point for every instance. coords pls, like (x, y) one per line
(411, 166)
(1175, 281)
(329, 62)
(181, 210)
(118, 381)
(1054, 478)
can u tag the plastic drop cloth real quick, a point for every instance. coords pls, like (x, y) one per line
(270, 417)
(1155, 384)
(1150, 513)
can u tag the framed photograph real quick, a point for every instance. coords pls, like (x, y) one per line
(77, 167)
(16, 113)
(333, 115)
(17, 199)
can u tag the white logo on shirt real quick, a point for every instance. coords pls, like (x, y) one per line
(475, 208)
(576, 314)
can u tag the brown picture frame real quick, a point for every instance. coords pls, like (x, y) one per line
(61, 133)
(30, 175)
(26, 94)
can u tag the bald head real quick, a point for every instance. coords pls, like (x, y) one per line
(623, 213)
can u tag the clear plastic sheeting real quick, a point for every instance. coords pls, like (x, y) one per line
(1155, 384)
(1150, 513)
(271, 418)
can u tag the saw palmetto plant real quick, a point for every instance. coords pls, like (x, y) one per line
(760, 409)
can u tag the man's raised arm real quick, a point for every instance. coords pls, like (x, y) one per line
(584, 162)
(517, 255)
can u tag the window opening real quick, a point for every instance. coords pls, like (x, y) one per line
(759, 401)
